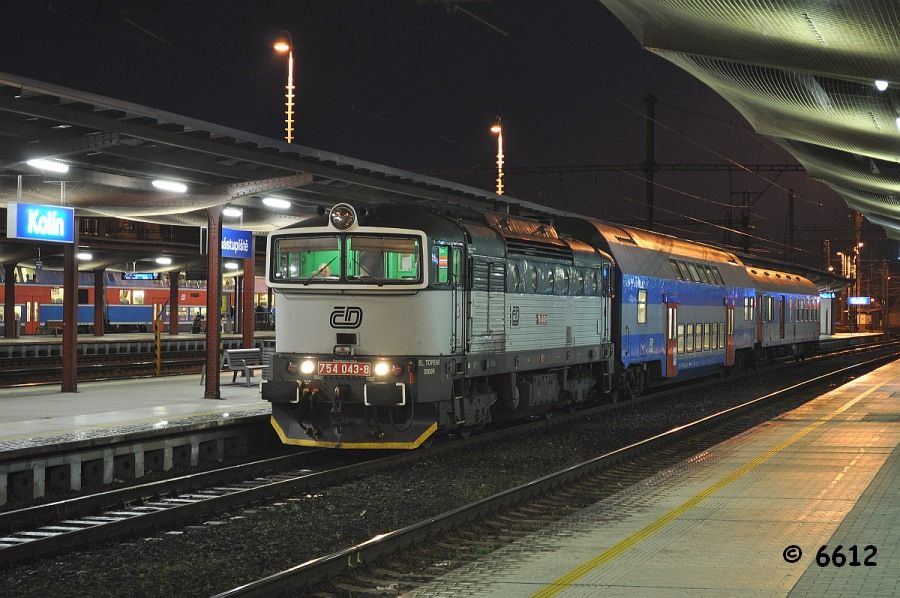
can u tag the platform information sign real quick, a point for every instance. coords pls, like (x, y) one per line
(859, 301)
(236, 243)
(40, 223)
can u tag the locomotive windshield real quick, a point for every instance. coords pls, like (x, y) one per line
(348, 259)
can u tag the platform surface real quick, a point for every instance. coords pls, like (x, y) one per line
(721, 523)
(40, 415)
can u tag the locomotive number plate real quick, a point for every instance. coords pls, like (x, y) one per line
(345, 368)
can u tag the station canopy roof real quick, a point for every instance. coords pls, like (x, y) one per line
(803, 74)
(115, 150)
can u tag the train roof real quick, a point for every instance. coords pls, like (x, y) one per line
(623, 236)
(766, 279)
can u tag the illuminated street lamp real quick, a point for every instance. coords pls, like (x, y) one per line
(283, 45)
(497, 130)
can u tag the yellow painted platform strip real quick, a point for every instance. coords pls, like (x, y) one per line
(614, 552)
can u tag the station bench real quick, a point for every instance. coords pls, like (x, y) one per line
(245, 361)
(55, 326)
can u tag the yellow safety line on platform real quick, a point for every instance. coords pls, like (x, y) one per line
(614, 552)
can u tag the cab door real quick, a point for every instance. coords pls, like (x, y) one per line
(671, 340)
(729, 333)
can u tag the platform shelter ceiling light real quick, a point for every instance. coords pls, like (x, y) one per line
(231, 266)
(84, 255)
(232, 212)
(164, 261)
(173, 186)
(49, 165)
(276, 202)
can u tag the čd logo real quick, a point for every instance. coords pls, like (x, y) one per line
(346, 317)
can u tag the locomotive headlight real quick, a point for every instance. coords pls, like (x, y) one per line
(308, 366)
(342, 216)
(382, 368)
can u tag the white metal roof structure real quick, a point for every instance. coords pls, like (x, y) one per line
(803, 73)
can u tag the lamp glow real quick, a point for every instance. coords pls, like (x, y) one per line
(164, 261)
(276, 202)
(285, 46)
(50, 165)
(232, 212)
(231, 266)
(84, 255)
(170, 186)
(497, 130)
(881, 85)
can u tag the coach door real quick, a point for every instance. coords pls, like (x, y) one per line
(671, 340)
(781, 318)
(729, 334)
(760, 312)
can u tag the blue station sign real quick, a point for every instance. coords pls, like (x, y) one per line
(859, 300)
(40, 223)
(236, 243)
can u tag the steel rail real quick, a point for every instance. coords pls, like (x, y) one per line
(300, 577)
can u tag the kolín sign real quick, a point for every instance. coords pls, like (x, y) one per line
(40, 223)
(236, 243)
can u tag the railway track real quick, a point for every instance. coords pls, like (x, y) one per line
(405, 558)
(46, 529)
(18, 372)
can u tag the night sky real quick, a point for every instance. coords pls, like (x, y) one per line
(416, 85)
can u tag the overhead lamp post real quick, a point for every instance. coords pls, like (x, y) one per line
(497, 130)
(285, 45)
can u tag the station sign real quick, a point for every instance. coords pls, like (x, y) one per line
(37, 222)
(140, 276)
(826, 295)
(236, 243)
(859, 300)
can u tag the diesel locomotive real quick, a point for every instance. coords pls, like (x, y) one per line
(397, 323)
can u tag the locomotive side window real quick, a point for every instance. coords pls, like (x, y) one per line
(533, 279)
(594, 284)
(549, 281)
(515, 278)
(642, 306)
(579, 282)
(564, 280)
(443, 263)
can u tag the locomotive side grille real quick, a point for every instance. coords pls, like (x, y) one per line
(516, 247)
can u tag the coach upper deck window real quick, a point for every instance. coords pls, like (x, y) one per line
(642, 306)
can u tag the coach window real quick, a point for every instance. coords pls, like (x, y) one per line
(710, 275)
(680, 347)
(702, 274)
(642, 306)
(707, 335)
(693, 270)
(685, 274)
(689, 339)
(718, 275)
(675, 270)
(722, 334)
(748, 309)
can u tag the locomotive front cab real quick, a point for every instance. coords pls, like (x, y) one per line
(346, 366)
